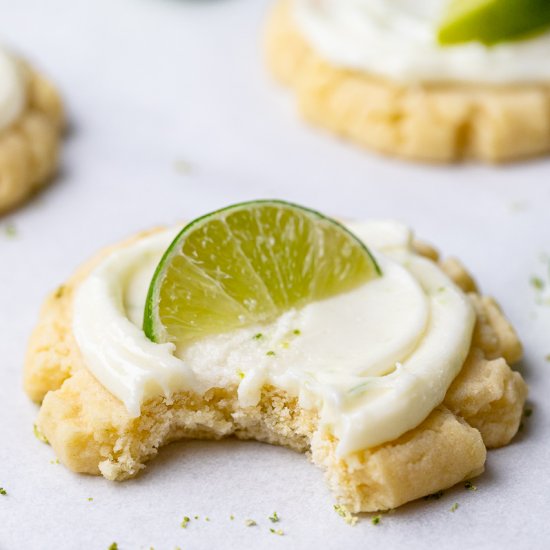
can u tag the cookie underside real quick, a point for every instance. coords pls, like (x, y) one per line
(424, 122)
(29, 147)
(91, 431)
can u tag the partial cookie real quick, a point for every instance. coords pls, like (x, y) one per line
(425, 122)
(29, 145)
(92, 432)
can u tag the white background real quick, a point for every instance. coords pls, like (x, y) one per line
(148, 84)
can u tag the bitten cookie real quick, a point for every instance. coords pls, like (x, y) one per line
(92, 431)
(31, 123)
(423, 120)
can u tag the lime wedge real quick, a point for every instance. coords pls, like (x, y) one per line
(492, 21)
(247, 264)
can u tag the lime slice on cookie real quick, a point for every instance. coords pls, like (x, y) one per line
(247, 264)
(492, 21)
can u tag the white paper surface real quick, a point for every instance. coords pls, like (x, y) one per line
(148, 84)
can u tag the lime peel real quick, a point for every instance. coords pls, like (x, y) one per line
(492, 21)
(247, 264)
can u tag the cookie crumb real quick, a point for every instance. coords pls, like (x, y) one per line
(343, 512)
(470, 486)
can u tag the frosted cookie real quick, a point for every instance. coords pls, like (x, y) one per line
(373, 71)
(268, 321)
(31, 121)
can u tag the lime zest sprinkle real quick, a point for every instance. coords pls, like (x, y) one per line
(376, 520)
(297, 332)
(90, 499)
(39, 435)
(3, 491)
(258, 336)
(231, 517)
(240, 374)
(343, 512)
(547, 357)
(276, 531)
(250, 523)
(54, 461)
(206, 518)
(537, 283)
(182, 167)
(274, 518)
(196, 517)
(185, 521)
(454, 507)
(11, 230)
(470, 486)
(114, 546)
(270, 353)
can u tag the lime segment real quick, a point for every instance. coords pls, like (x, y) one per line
(247, 264)
(492, 21)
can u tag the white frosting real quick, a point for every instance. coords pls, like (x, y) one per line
(397, 39)
(374, 361)
(12, 89)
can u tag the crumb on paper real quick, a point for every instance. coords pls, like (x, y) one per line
(344, 513)
(527, 412)
(183, 167)
(470, 486)
(518, 206)
(454, 507)
(250, 523)
(541, 283)
(376, 520)
(276, 531)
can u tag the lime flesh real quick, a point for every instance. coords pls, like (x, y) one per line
(492, 21)
(247, 264)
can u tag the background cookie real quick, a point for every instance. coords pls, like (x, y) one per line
(29, 145)
(426, 122)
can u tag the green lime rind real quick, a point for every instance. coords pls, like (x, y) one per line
(492, 21)
(248, 263)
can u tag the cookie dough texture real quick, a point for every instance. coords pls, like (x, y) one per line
(426, 122)
(29, 147)
(92, 432)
